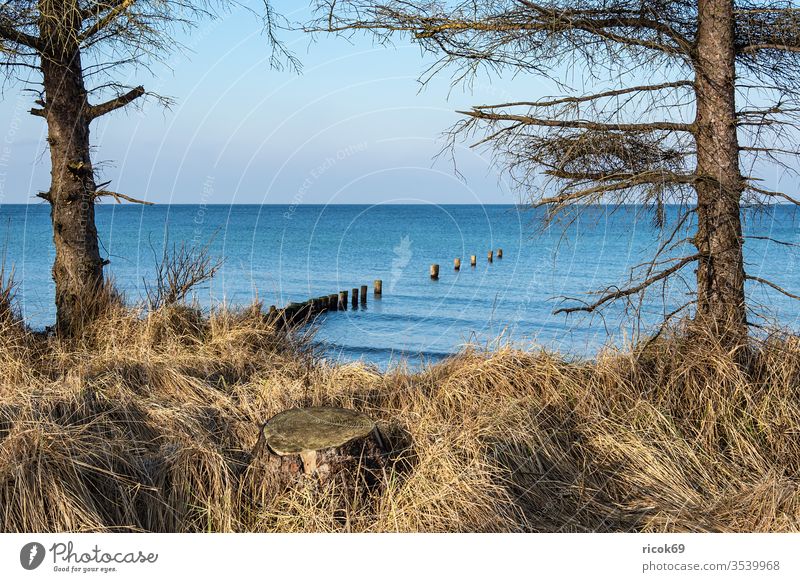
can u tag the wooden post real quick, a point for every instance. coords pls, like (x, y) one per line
(354, 298)
(292, 311)
(457, 264)
(473, 260)
(333, 302)
(490, 256)
(499, 253)
(363, 295)
(378, 287)
(435, 272)
(342, 300)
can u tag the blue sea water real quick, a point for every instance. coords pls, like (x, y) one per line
(290, 253)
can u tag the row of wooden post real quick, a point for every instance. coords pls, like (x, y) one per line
(295, 312)
(473, 261)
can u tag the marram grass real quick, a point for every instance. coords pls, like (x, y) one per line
(146, 424)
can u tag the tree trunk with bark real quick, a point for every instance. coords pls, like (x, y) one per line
(720, 272)
(78, 268)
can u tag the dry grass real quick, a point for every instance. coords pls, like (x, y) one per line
(147, 424)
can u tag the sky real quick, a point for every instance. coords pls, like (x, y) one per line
(353, 127)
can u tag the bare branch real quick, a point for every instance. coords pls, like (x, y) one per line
(632, 179)
(96, 111)
(179, 270)
(580, 124)
(776, 28)
(120, 197)
(770, 150)
(774, 194)
(772, 240)
(620, 293)
(595, 96)
(777, 288)
(115, 9)
(10, 33)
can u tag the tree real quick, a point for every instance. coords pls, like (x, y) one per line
(715, 88)
(63, 45)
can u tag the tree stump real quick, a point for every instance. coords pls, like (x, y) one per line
(320, 442)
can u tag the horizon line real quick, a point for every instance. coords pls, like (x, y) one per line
(300, 204)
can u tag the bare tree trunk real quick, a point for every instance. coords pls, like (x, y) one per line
(720, 273)
(78, 268)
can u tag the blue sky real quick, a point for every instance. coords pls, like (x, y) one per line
(352, 128)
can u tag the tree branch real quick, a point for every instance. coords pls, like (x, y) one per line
(8, 32)
(584, 98)
(116, 9)
(580, 124)
(634, 179)
(598, 190)
(620, 293)
(120, 197)
(772, 240)
(593, 20)
(752, 48)
(96, 9)
(773, 194)
(96, 111)
(768, 29)
(777, 288)
(769, 150)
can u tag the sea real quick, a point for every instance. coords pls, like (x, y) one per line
(279, 254)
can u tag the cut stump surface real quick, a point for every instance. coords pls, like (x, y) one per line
(323, 440)
(313, 429)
